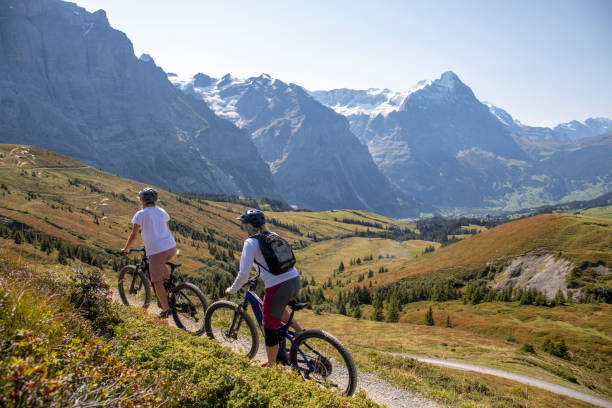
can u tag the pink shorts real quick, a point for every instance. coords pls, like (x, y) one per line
(158, 270)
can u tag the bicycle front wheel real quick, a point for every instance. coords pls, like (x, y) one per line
(241, 336)
(321, 357)
(188, 308)
(134, 288)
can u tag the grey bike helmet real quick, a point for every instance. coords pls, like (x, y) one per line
(253, 216)
(148, 195)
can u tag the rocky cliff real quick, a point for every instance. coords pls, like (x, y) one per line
(71, 83)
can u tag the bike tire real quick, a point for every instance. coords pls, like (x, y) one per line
(345, 370)
(218, 320)
(188, 306)
(140, 296)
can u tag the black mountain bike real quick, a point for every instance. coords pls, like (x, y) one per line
(187, 302)
(315, 354)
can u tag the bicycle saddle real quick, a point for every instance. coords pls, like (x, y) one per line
(173, 265)
(297, 306)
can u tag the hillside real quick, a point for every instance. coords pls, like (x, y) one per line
(580, 239)
(85, 207)
(86, 213)
(66, 344)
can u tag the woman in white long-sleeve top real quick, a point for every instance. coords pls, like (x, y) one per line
(282, 282)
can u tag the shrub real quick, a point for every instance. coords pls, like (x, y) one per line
(527, 348)
(91, 296)
(558, 349)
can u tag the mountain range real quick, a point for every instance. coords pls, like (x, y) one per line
(447, 148)
(316, 161)
(71, 83)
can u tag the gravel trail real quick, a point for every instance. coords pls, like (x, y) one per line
(545, 385)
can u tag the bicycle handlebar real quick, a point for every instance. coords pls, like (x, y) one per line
(250, 284)
(253, 281)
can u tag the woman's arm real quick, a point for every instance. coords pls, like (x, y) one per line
(131, 239)
(246, 263)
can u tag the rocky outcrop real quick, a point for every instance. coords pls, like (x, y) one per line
(541, 272)
(69, 82)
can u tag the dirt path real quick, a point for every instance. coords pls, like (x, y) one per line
(545, 385)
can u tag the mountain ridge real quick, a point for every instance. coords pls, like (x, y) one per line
(450, 150)
(315, 159)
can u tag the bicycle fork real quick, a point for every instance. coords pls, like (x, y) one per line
(236, 322)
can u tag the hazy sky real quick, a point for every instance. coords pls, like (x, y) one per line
(544, 61)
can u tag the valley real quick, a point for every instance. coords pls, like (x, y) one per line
(86, 208)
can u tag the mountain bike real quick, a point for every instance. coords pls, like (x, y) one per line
(186, 301)
(316, 354)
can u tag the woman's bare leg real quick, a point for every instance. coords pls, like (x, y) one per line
(294, 324)
(162, 294)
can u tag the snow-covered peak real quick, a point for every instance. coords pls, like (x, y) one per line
(591, 127)
(371, 102)
(223, 94)
(440, 89)
(375, 101)
(504, 117)
(448, 80)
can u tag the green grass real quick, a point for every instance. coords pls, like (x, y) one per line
(53, 356)
(321, 259)
(598, 212)
(479, 335)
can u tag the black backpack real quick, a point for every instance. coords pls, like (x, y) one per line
(276, 251)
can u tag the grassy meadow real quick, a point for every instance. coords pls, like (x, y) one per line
(85, 207)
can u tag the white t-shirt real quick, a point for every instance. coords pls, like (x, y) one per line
(155, 233)
(251, 253)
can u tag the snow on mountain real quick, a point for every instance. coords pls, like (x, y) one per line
(223, 94)
(591, 127)
(371, 102)
(313, 156)
(503, 116)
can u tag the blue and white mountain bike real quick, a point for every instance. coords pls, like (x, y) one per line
(317, 355)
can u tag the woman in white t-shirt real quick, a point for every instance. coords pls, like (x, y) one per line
(158, 241)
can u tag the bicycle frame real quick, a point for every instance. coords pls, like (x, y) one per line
(144, 266)
(284, 332)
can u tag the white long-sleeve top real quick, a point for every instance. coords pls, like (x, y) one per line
(251, 253)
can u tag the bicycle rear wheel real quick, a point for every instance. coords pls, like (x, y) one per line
(243, 339)
(134, 288)
(188, 308)
(321, 357)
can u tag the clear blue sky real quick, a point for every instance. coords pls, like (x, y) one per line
(544, 61)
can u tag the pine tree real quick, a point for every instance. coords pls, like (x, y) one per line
(356, 312)
(342, 309)
(393, 309)
(61, 258)
(18, 237)
(341, 267)
(429, 319)
(378, 309)
(559, 299)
